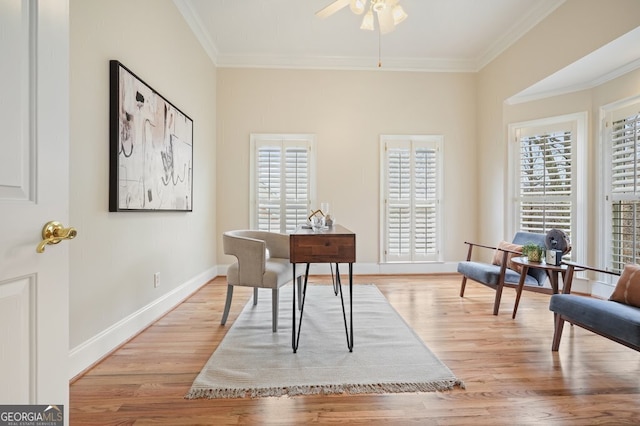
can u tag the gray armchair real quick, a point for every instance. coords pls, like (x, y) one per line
(262, 262)
(500, 276)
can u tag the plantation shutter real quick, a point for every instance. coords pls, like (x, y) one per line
(411, 200)
(282, 183)
(624, 193)
(399, 203)
(269, 187)
(426, 202)
(297, 199)
(545, 193)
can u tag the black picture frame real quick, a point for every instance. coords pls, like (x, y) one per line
(151, 147)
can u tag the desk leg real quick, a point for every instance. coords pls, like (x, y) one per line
(523, 276)
(348, 327)
(334, 280)
(295, 337)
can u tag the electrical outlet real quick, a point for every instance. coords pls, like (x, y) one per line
(156, 279)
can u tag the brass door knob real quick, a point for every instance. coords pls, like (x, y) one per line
(53, 232)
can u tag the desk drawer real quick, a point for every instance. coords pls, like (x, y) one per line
(319, 248)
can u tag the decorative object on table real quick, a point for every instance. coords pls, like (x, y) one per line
(328, 221)
(316, 219)
(557, 244)
(390, 358)
(554, 257)
(151, 148)
(533, 252)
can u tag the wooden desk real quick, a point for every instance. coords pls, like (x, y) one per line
(553, 271)
(330, 245)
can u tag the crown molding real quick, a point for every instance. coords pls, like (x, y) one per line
(258, 60)
(199, 30)
(517, 30)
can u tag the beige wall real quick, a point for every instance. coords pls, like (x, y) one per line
(348, 111)
(575, 29)
(115, 255)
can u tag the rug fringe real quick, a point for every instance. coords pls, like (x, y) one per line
(442, 385)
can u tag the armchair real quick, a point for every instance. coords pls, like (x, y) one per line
(262, 262)
(498, 275)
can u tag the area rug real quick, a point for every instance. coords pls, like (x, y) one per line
(387, 357)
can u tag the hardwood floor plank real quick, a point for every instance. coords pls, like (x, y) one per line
(510, 373)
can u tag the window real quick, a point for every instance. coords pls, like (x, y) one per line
(546, 161)
(545, 181)
(282, 181)
(622, 156)
(411, 189)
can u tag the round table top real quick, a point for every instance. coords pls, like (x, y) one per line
(541, 265)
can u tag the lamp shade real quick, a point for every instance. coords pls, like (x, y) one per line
(367, 21)
(357, 6)
(399, 14)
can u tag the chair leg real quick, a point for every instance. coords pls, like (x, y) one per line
(227, 305)
(274, 309)
(255, 296)
(464, 283)
(557, 334)
(496, 304)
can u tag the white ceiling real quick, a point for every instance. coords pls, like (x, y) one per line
(438, 35)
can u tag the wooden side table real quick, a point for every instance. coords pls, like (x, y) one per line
(329, 245)
(553, 272)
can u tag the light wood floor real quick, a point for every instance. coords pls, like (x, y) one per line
(511, 375)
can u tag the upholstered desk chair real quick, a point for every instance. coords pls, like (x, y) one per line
(262, 262)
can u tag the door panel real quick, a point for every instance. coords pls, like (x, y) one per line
(34, 182)
(15, 103)
(18, 336)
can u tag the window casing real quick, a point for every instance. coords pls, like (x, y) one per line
(621, 151)
(282, 181)
(411, 188)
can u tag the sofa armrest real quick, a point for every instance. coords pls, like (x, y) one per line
(251, 255)
(504, 254)
(573, 267)
(472, 245)
(579, 267)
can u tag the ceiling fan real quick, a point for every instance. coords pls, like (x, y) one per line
(389, 13)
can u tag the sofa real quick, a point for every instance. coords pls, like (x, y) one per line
(617, 318)
(499, 274)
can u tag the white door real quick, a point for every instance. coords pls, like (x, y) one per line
(34, 189)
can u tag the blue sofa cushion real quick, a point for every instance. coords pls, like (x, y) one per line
(606, 316)
(486, 273)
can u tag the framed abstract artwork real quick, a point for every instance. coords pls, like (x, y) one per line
(151, 148)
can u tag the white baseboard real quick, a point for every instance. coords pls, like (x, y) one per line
(93, 350)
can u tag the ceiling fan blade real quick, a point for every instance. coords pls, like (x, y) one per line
(385, 20)
(332, 8)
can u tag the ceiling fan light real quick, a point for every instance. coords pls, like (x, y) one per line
(399, 14)
(367, 21)
(357, 6)
(378, 5)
